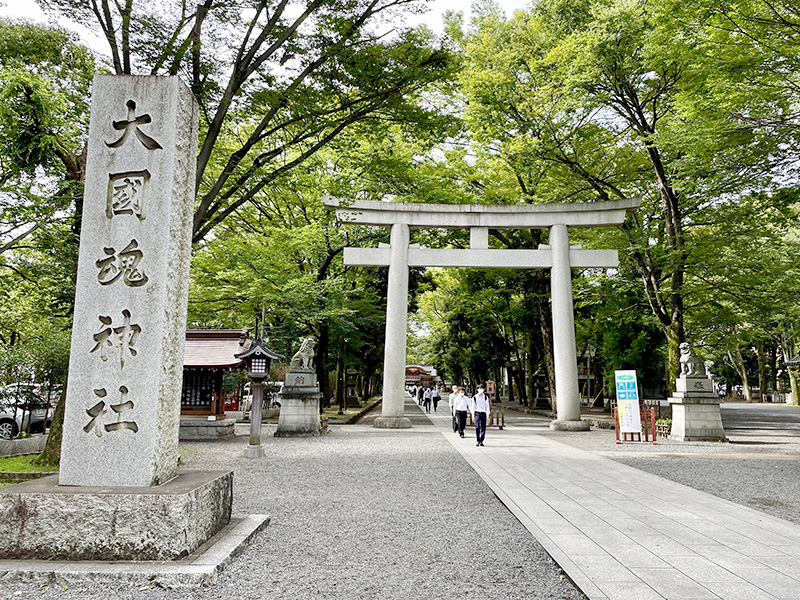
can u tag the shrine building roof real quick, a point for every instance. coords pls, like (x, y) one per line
(215, 348)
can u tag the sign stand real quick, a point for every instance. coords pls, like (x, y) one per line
(628, 413)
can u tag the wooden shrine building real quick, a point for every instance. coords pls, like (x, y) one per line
(209, 355)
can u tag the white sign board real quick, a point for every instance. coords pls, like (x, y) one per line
(630, 420)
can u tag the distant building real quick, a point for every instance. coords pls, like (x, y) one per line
(424, 375)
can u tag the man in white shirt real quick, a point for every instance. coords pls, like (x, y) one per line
(461, 406)
(452, 412)
(426, 400)
(480, 408)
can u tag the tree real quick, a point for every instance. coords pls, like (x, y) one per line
(276, 80)
(600, 100)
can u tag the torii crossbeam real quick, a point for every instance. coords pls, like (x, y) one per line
(559, 257)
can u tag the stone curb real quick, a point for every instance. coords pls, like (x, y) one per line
(197, 569)
(32, 445)
(355, 418)
(594, 421)
(24, 475)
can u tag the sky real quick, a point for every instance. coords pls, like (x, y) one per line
(30, 10)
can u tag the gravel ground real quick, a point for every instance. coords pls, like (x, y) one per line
(759, 468)
(361, 513)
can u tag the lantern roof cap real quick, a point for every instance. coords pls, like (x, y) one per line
(259, 350)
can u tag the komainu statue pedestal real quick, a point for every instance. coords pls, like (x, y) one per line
(695, 405)
(695, 411)
(299, 405)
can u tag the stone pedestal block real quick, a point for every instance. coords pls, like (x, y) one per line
(198, 429)
(695, 411)
(569, 425)
(299, 409)
(42, 520)
(253, 451)
(392, 423)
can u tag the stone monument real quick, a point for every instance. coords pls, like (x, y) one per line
(300, 396)
(695, 405)
(118, 495)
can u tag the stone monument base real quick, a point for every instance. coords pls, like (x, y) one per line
(40, 519)
(299, 406)
(199, 429)
(579, 425)
(253, 451)
(392, 423)
(695, 411)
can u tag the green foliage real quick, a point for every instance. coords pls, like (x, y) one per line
(21, 464)
(276, 83)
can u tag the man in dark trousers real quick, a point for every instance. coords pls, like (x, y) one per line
(435, 397)
(453, 412)
(480, 408)
(461, 406)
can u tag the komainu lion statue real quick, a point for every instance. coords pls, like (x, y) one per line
(303, 358)
(691, 364)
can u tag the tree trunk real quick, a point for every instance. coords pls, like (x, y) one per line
(519, 379)
(773, 367)
(794, 385)
(675, 338)
(321, 359)
(510, 378)
(737, 362)
(51, 455)
(762, 369)
(340, 391)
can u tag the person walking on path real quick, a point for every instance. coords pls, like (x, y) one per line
(452, 411)
(461, 406)
(427, 400)
(435, 397)
(420, 392)
(480, 408)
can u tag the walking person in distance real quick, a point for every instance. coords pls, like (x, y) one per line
(461, 405)
(480, 409)
(452, 411)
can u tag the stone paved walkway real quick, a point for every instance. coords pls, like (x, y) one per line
(621, 533)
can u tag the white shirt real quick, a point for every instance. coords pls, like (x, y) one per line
(450, 400)
(480, 403)
(460, 402)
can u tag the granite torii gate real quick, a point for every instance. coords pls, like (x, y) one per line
(558, 256)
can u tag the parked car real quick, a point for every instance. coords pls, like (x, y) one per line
(23, 405)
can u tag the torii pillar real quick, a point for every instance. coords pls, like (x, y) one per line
(568, 403)
(559, 257)
(394, 354)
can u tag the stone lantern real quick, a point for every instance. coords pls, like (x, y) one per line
(258, 359)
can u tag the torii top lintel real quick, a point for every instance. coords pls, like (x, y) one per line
(492, 216)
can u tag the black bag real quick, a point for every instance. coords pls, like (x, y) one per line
(455, 423)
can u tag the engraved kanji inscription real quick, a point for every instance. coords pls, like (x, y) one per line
(122, 338)
(126, 194)
(125, 265)
(98, 411)
(120, 407)
(132, 124)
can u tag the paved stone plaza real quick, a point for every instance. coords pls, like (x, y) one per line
(373, 513)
